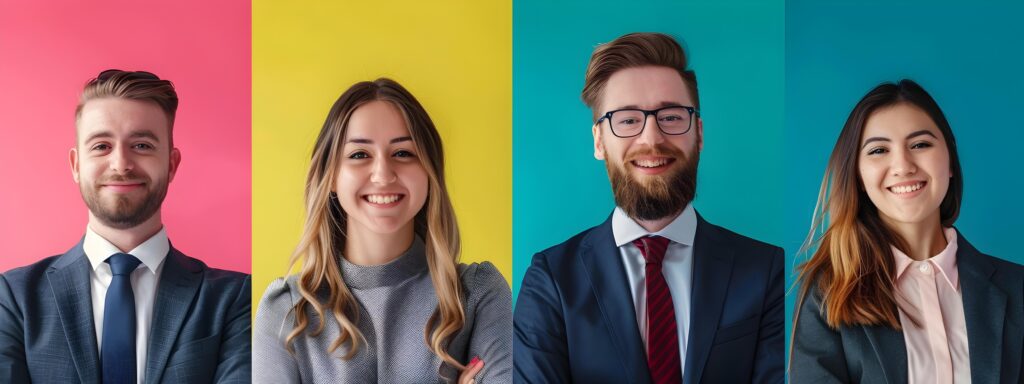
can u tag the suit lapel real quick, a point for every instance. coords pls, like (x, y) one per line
(179, 282)
(712, 267)
(891, 349)
(984, 312)
(601, 260)
(69, 280)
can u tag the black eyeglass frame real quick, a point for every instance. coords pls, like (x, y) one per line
(648, 112)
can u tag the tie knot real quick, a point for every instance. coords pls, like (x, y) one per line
(122, 263)
(652, 247)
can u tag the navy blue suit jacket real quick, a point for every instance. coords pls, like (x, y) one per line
(200, 331)
(993, 296)
(575, 320)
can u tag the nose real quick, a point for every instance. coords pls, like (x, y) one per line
(121, 160)
(383, 172)
(651, 134)
(903, 163)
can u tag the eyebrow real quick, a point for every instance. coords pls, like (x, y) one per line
(910, 136)
(660, 105)
(368, 141)
(146, 134)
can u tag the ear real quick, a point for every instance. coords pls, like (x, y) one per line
(175, 161)
(73, 160)
(598, 145)
(700, 134)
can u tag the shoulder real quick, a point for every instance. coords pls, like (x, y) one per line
(220, 280)
(25, 275)
(482, 279)
(747, 250)
(280, 295)
(563, 252)
(31, 280)
(736, 240)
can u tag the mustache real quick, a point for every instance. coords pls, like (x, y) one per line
(128, 177)
(661, 150)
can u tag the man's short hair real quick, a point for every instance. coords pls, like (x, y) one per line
(132, 85)
(635, 50)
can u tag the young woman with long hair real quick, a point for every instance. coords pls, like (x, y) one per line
(892, 292)
(381, 296)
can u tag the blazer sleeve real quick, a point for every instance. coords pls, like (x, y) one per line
(491, 338)
(234, 364)
(271, 361)
(13, 366)
(539, 342)
(817, 355)
(769, 363)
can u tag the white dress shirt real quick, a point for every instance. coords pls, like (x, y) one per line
(677, 267)
(152, 253)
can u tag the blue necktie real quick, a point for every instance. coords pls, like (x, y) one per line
(117, 354)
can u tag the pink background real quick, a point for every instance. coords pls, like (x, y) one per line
(49, 49)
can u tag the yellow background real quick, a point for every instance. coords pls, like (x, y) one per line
(455, 57)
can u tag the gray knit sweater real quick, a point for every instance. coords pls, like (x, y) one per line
(395, 302)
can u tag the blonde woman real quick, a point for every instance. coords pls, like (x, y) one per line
(381, 296)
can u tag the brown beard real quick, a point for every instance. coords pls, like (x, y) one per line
(655, 197)
(124, 213)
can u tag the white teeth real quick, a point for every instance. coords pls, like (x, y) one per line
(382, 199)
(650, 163)
(901, 189)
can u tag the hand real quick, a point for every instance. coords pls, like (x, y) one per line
(472, 369)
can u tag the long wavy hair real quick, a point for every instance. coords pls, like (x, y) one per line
(852, 266)
(323, 237)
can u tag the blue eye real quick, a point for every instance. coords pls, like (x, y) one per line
(359, 155)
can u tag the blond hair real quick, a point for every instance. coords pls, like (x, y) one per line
(323, 237)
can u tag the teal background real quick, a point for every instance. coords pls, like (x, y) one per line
(736, 48)
(969, 57)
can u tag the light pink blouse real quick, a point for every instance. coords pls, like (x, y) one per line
(929, 292)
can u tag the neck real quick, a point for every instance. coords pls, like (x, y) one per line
(657, 224)
(924, 239)
(364, 247)
(129, 238)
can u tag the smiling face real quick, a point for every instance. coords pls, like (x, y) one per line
(653, 175)
(123, 160)
(904, 164)
(381, 184)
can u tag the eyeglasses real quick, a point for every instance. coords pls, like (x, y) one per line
(629, 122)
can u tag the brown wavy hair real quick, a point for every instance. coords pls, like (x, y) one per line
(323, 238)
(853, 267)
(635, 50)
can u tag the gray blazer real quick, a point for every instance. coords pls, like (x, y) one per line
(200, 331)
(993, 295)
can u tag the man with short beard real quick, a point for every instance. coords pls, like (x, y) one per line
(122, 305)
(655, 293)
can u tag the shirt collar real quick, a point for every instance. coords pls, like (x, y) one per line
(945, 261)
(151, 252)
(681, 230)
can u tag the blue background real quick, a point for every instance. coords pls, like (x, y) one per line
(969, 57)
(559, 189)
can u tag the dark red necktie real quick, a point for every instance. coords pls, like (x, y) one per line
(662, 339)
